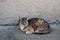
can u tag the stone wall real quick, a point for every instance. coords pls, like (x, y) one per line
(10, 10)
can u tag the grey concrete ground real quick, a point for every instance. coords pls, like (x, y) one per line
(13, 33)
(10, 10)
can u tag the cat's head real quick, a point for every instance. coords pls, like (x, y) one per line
(23, 21)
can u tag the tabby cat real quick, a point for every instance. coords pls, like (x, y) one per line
(34, 25)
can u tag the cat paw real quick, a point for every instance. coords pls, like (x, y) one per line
(28, 32)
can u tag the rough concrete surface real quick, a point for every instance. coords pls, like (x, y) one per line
(13, 33)
(10, 10)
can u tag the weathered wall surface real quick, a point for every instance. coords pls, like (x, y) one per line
(10, 10)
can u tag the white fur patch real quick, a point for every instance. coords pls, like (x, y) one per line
(28, 32)
(22, 27)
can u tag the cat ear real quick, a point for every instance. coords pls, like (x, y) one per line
(27, 17)
(19, 19)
